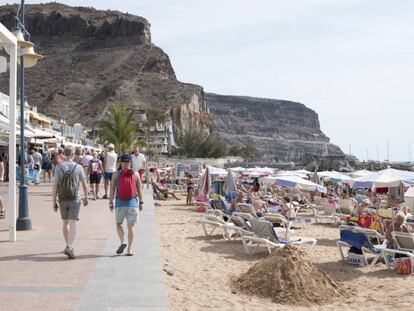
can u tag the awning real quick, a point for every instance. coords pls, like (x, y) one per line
(39, 118)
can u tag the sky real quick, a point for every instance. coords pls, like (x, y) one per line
(349, 60)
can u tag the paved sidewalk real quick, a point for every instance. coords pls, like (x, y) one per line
(35, 275)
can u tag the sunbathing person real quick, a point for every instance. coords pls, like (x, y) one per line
(236, 201)
(288, 209)
(253, 198)
(158, 189)
(396, 225)
(361, 208)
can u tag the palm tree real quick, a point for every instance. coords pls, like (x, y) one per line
(142, 144)
(118, 127)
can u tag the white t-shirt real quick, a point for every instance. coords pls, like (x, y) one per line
(138, 162)
(110, 162)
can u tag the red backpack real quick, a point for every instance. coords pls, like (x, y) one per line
(126, 185)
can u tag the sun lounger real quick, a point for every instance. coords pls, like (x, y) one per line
(214, 220)
(237, 226)
(220, 205)
(350, 237)
(325, 212)
(344, 211)
(404, 241)
(265, 235)
(248, 209)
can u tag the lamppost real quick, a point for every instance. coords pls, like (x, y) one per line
(28, 58)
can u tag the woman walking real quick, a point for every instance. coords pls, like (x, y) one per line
(95, 171)
(46, 165)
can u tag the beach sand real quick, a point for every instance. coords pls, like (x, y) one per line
(199, 269)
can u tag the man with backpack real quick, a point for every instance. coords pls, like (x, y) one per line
(127, 191)
(68, 177)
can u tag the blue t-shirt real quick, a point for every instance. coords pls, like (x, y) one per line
(122, 203)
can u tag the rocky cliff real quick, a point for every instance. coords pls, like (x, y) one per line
(94, 59)
(279, 128)
(97, 58)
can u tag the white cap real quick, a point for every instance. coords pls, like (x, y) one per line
(111, 146)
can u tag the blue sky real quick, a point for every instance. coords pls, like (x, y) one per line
(351, 61)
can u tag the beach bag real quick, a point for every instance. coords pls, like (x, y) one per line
(201, 198)
(67, 186)
(404, 266)
(126, 185)
(356, 259)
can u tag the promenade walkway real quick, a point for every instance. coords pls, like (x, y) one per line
(35, 275)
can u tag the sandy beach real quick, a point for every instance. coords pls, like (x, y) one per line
(199, 270)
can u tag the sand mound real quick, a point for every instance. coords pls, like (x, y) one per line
(288, 277)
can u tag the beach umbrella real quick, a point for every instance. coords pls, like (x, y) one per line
(383, 179)
(360, 173)
(268, 181)
(335, 177)
(298, 183)
(263, 170)
(230, 183)
(216, 171)
(238, 169)
(409, 197)
(206, 182)
(292, 173)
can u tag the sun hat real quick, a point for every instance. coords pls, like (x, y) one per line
(126, 157)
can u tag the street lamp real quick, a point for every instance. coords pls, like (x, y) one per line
(28, 58)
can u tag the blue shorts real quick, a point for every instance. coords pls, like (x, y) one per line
(108, 176)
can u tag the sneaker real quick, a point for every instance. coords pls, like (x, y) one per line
(71, 253)
(66, 250)
(105, 197)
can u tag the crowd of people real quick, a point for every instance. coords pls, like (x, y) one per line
(70, 169)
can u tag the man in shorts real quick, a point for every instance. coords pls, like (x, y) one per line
(67, 179)
(126, 208)
(110, 162)
(138, 162)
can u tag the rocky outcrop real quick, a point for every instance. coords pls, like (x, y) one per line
(276, 128)
(94, 59)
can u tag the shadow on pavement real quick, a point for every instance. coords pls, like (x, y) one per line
(43, 257)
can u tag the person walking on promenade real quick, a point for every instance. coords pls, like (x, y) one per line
(127, 191)
(37, 166)
(138, 162)
(46, 165)
(95, 174)
(68, 177)
(78, 155)
(110, 162)
(2, 211)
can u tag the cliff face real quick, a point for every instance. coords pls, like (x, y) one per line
(94, 59)
(97, 58)
(279, 128)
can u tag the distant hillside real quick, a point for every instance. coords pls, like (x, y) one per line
(279, 128)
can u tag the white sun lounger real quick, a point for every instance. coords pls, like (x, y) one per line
(265, 235)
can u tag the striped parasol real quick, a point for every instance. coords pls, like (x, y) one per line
(206, 182)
